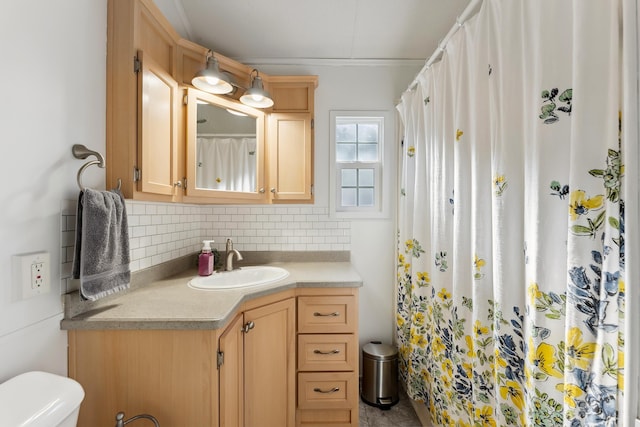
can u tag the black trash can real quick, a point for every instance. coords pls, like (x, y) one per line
(379, 375)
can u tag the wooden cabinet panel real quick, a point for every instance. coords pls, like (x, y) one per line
(231, 346)
(168, 374)
(327, 352)
(324, 314)
(293, 94)
(290, 157)
(191, 59)
(269, 363)
(156, 37)
(157, 127)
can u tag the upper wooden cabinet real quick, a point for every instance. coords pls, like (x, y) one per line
(142, 106)
(290, 154)
(149, 144)
(293, 94)
(157, 126)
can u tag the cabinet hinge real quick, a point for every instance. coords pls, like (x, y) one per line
(185, 184)
(220, 359)
(313, 122)
(185, 100)
(312, 189)
(137, 65)
(136, 174)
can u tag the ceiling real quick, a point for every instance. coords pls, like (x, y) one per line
(264, 31)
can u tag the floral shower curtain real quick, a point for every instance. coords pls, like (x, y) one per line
(511, 250)
(226, 163)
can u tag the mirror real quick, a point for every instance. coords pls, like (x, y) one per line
(225, 141)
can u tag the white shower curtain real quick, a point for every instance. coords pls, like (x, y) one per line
(511, 240)
(226, 163)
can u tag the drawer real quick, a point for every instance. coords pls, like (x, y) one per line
(327, 314)
(327, 390)
(327, 352)
(322, 417)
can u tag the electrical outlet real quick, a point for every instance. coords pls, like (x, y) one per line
(37, 276)
(31, 274)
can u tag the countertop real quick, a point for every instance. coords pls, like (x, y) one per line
(171, 304)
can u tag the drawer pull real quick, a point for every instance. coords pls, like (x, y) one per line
(326, 352)
(334, 314)
(333, 390)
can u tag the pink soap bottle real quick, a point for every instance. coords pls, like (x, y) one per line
(205, 259)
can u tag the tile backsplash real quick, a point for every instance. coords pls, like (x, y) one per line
(159, 232)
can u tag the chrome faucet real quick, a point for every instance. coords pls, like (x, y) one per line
(229, 255)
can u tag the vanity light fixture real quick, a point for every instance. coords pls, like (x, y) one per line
(211, 79)
(256, 96)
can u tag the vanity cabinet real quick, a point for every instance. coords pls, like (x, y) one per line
(327, 353)
(143, 151)
(286, 359)
(243, 375)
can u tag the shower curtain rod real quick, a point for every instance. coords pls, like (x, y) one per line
(466, 14)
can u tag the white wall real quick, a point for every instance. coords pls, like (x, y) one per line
(53, 95)
(360, 87)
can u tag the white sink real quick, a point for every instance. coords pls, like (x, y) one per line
(241, 278)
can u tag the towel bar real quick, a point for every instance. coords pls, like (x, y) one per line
(81, 152)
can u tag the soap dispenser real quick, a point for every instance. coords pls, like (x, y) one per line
(205, 259)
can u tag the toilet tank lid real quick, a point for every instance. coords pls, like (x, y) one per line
(38, 399)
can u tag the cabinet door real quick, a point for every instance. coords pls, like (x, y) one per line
(290, 157)
(269, 349)
(231, 375)
(157, 127)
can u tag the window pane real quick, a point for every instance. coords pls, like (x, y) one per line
(365, 178)
(367, 152)
(349, 178)
(346, 132)
(367, 132)
(349, 197)
(366, 197)
(346, 152)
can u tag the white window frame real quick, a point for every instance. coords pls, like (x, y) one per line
(382, 178)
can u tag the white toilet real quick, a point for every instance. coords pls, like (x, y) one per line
(40, 399)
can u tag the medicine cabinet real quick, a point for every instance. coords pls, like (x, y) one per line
(225, 148)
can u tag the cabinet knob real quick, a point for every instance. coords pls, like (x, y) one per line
(273, 190)
(261, 191)
(178, 184)
(247, 327)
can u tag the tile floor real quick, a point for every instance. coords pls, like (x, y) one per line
(399, 415)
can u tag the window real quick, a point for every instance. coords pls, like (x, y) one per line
(357, 148)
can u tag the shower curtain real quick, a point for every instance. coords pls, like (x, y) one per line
(226, 163)
(511, 240)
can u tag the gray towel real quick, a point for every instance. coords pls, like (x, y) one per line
(101, 257)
